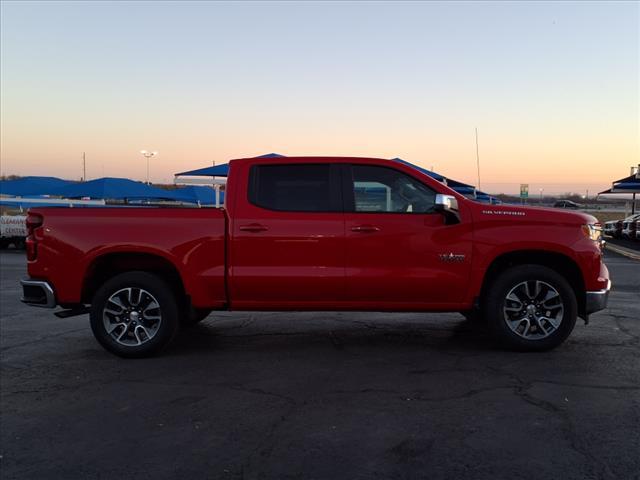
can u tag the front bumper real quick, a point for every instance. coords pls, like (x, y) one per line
(597, 300)
(38, 293)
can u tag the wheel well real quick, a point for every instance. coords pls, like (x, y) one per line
(558, 262)
(107, 266)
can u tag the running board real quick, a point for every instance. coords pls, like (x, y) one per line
(73, 312)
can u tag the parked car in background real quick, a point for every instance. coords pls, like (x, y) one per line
(567, 204)
(614, 228)
(318, 233)
(629, 227)
(13, 230)
(637, 229)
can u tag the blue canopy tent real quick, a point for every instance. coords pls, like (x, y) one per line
(483, 197)
(218, 170)
(112, 188)
(466, 191)
(32, 186)
(628, 185)
(434, 175)
(213, 171)
(460, 187)
(486, 198)
(205, 195)
(456, 184)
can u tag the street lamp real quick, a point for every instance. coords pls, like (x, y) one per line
(148, 155)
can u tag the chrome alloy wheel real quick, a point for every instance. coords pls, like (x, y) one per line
(533, 309)
(131, 316)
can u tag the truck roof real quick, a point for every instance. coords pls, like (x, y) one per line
(322, 159)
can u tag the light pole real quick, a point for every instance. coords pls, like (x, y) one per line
(148, 155)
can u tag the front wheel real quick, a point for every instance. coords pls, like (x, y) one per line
(134, 314)
(531, 308)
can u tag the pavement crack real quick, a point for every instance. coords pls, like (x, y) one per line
(617, 320)
(40, 339)
(257, 391)
(521, 389)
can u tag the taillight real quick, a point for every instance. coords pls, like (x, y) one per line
(34, 221)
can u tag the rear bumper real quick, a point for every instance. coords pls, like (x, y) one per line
(597, 300)
(38, 293)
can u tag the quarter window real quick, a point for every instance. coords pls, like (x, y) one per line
(386, 190)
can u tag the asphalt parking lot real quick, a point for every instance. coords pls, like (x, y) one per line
(321, 395)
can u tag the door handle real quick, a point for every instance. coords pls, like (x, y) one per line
(253, 227)
(365, 228)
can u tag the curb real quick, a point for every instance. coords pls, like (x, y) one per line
(627, 252)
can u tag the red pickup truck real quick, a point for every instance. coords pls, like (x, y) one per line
(318, 233)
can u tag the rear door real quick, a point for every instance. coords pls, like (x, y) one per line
(400, 254)
(287, 248)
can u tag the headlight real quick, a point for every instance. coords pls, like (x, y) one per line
(592, 231)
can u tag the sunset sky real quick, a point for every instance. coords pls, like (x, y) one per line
(552, 87)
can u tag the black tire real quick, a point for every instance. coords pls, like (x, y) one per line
(164, 329)
(495, 302)
(194, 316)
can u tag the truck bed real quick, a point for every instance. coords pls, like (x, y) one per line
(192, 240)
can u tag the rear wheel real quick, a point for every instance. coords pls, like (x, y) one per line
(531, 308)
(134, 314)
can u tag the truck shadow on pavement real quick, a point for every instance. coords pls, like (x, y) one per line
(336, 331)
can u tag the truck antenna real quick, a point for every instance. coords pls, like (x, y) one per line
(478, 159)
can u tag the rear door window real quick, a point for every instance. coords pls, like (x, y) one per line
(295, 187)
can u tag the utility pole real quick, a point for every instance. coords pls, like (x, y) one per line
(478, 159)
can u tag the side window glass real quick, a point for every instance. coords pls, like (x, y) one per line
(386, 190)
(291, 188)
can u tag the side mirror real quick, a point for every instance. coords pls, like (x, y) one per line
(446, 202)
(448, 206)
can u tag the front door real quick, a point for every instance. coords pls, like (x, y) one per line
(287, 247)
(400, 253)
